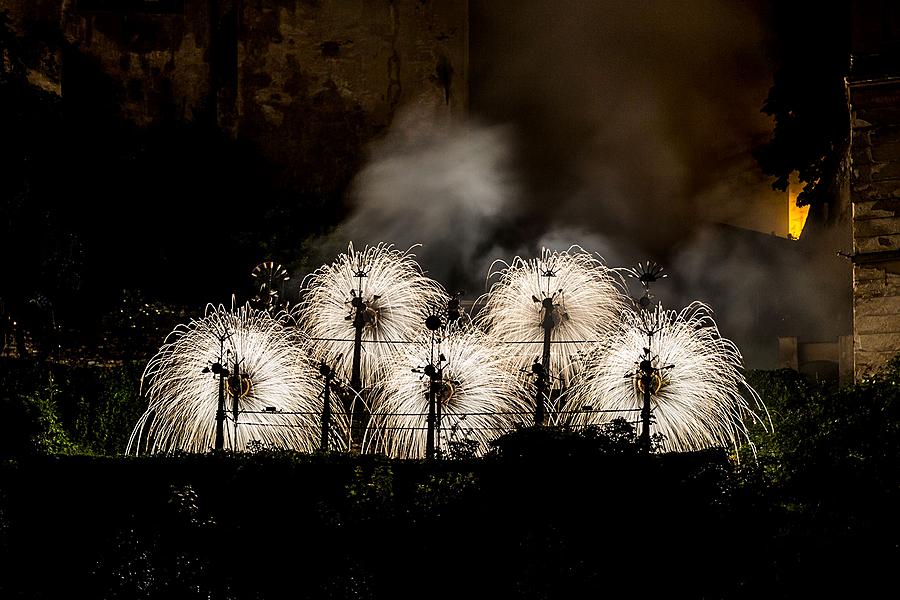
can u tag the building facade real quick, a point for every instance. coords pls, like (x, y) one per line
(874, 94)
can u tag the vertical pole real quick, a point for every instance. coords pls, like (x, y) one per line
(429, 438)
(432, 372)
(326, 412)
(646, 367)
(540, 386)
(438, 395)
(647, 381)
(542, 381)
(359, 321)
(236, 389)
(220, 415)
(356, 376)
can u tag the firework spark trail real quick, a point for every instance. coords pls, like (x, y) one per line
(480, 399)
(397, 295)
(183, 400)
(589, 297)
(700, 401)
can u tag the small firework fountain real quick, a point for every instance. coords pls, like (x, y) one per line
(452, 385)
(365, 304)
(269, 278)
(569, 300)
(242, 365)
(676, 370)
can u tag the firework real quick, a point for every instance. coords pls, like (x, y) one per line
(478, 398)
(395, 298)
(583, 296)
(278, 395)
(699, 397)
(269, 278)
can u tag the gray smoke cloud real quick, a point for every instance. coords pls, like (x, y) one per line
(446, 187)
(623, 127)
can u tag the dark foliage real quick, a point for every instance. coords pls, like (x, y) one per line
(60, 409)
(808, 101)
(548, 513)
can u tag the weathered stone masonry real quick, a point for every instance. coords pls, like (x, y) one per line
(306, 82)
(874, 90)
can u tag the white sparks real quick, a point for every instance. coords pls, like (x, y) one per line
(478, 398)
(275, 371)
(587, 299)
(699, 401)
(397, 298)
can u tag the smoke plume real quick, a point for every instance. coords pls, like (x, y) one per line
(625, 127)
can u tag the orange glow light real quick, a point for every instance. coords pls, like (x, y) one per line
(796, 214)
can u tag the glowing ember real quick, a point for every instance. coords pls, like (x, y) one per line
(479, 399)
(273, 371)
(698, 397)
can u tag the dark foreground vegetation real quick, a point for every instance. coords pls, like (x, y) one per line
(547, 514)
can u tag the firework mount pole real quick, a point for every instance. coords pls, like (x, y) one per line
(435, 375)
(221, 372)
(220, 412)
(433, 323)
(359, 322)
(237, 388)
(432, 416)
(543, 373)
(542, 384)
(648, 376)
(328, 376)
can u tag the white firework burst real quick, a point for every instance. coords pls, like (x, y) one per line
(700, 397)
(396, 295)
(586, 296)
(478, 398)
(275, 372)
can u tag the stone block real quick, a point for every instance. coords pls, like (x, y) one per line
(879, 243)
(886, 114)
(862, 273)
(886, 171)
(819, 351)
(861, 154)
(879, 342)
(868, 363)
(845, 361)
(877, 324)
(875, 288)
(875, 227)
(871, 208)
(788, 353)
(887, 305)
(885, 135)
(885, 152)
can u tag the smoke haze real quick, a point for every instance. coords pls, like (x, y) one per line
(625, 128)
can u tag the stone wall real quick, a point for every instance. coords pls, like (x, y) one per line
(874, 87)
(305, 82)
(875, 196)
(318, 79)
